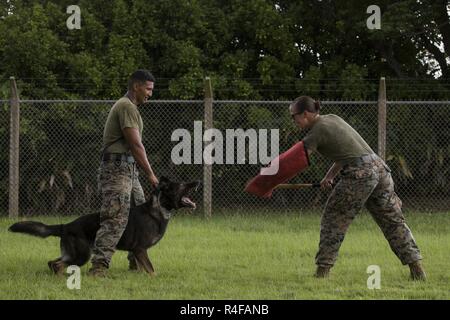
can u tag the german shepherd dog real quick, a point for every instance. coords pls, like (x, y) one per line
(147, 224)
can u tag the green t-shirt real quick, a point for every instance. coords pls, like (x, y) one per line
(335, 139)
(123, 114)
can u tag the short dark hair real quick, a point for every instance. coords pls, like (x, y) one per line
(141, 76)
(305, 103)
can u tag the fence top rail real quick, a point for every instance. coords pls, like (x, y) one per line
(184, 101)
(325, 102)
(103, 101)
(438, 102)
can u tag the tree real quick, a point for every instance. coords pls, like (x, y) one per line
(261, 49)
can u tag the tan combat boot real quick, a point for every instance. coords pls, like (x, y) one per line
(98, 270)
(417, 272)
(322, 271)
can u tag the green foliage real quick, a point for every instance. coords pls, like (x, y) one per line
(262, 49)
(259, 117)
(252, 50)
(352, 78)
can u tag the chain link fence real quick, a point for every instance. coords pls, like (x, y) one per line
(60, 143)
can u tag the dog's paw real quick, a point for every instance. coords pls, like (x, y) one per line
(57, 267)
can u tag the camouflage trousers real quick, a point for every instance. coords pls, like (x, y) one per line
(119, 184)
(368, 183)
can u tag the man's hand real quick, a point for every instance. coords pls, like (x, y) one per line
(326, 183)
(153, 180)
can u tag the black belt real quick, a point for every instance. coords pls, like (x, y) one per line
(118, 157)
(360, 160)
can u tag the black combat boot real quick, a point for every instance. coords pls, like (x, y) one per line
(417, 271)
(98, 270)
(322, 271)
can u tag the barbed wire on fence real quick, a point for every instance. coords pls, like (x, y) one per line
(256, 88)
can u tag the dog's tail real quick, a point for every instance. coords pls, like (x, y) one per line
(37, 229)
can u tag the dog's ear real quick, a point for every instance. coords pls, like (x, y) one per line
(164, 179)
(163, 182)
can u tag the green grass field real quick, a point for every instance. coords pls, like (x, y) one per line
(239, 257)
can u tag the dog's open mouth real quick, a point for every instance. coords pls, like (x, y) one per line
(188, 202)
(186, 199)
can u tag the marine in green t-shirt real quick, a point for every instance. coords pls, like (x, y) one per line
(335, 139)
(122, 157)
(366, 181)
(123, 114)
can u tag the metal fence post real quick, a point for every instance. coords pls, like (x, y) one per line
(382, 119)
(207, 168)
(14, 151)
